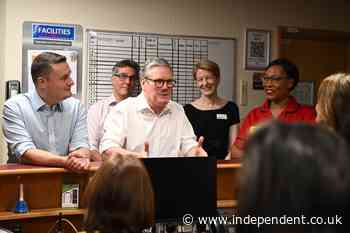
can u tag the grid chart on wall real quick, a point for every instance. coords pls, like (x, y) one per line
(106, 48)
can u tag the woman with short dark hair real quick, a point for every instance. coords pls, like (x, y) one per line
(280, 77)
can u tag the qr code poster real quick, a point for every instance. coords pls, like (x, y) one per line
(257, 53)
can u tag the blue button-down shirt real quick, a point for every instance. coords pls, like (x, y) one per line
(29, 123)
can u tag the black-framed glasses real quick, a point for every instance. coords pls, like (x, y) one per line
(273, 79)
(160, 82)
(124, 76)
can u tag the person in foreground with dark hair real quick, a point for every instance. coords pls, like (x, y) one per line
(333, 108)
(280, 78)
(295, 171)
(46, 126)
(120, 197)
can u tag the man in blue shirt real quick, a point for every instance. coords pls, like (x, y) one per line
(47, 126)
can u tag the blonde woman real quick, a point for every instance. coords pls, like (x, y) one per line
(333, 108)
(212, 117)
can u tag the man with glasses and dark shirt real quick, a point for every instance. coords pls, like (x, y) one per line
(151, 125)
(125, 74)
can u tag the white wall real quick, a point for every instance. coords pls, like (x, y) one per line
(2, 72)
(220, 18)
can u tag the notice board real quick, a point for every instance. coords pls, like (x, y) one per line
(105, 48)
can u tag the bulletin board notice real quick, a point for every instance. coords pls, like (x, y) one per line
(105, 48)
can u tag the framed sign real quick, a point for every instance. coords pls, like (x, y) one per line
(64, 39)
(257, 81)
(257, 49)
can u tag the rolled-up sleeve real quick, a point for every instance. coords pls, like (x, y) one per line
(16, 134)
(80, 132)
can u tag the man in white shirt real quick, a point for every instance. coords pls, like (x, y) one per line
(151, 125)
(125, 74)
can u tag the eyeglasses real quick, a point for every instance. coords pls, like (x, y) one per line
(273, 79)
(160, 82)
(124, 76)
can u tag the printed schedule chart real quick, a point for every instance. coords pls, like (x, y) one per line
(182, 52)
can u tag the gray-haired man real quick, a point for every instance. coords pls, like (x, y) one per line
(151, 125)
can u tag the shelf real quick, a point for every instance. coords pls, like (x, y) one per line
(40, 213)
(22, 169)
(229, 165)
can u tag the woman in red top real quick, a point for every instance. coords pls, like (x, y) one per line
(280, 78)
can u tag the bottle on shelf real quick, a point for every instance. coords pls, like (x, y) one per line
(21, 205)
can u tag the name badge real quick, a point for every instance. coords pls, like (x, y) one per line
(221, 116)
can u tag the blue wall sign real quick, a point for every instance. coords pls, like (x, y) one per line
(52, 32)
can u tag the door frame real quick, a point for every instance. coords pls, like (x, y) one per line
(288, 32)
(296, 33)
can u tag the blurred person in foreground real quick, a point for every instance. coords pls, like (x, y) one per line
(297, 172)
(119, 197)
(333, 104)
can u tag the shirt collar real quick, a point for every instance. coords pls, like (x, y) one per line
(143, 106)
(39, 104)
(111, 101)
(292, 105)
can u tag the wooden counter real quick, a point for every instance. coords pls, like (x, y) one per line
(43, 191)
(227, 183)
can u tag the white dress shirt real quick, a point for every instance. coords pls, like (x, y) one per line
(132, 122)
(95, 119)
